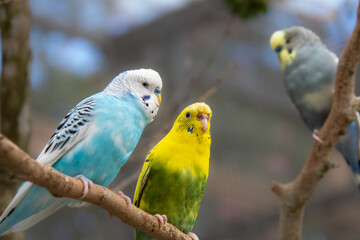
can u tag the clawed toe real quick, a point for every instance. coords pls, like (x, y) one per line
(193, 236)
(123, 196)
(315, 136)
(126, 198)
(88, 184)
(162, 219)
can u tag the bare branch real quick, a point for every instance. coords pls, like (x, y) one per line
(296, 194)
(14, 88)
(212, 89)
(61, 185)
(277, 188)
(196, 80)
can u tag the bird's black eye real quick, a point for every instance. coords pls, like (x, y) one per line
(188, 115)
(287, 41)
(145, 84)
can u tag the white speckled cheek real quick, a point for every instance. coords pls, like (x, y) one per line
(153, 109)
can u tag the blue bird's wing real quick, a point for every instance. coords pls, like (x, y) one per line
(71, 130)
(348, 146)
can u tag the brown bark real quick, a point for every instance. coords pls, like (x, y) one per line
(60, 185)
(14, 88)
(15, 25)
(294, 195)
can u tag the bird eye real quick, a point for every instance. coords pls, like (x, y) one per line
(188, 115)
(287, 41)
(145, 84)
(278, 49)
(157, 90)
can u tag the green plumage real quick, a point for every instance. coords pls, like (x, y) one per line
(177, 195)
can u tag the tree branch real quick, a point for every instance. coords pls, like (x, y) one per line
(60, 185)
(213, 86)
(14, 88)
(295, 195)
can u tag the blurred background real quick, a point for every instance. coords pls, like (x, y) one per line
(257, 136)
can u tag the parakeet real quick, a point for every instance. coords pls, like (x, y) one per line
(309, 73)
(91, 143)
(172, 181)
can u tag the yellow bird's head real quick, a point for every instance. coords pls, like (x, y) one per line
(194, 122)
(286, 43)
(280, 41)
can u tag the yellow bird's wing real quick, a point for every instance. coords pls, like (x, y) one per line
(144, 174)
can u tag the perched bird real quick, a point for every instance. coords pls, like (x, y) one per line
(309, 73)
(174, 176)
(91, 143)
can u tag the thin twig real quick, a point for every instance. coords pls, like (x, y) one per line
(195, 80)
(213, 87)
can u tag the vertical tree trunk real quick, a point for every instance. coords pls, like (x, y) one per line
(14, 88)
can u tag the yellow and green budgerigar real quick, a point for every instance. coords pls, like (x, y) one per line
(174, 176)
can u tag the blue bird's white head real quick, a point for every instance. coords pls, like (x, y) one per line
(143, 84)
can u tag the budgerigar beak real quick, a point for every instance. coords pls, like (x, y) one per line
(203, 119)
(159, 98)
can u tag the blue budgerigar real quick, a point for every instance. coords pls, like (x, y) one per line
(91, 143)
(309, 74)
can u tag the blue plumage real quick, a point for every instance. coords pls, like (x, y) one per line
(348, 146)
(94, 140)
(115, 144)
